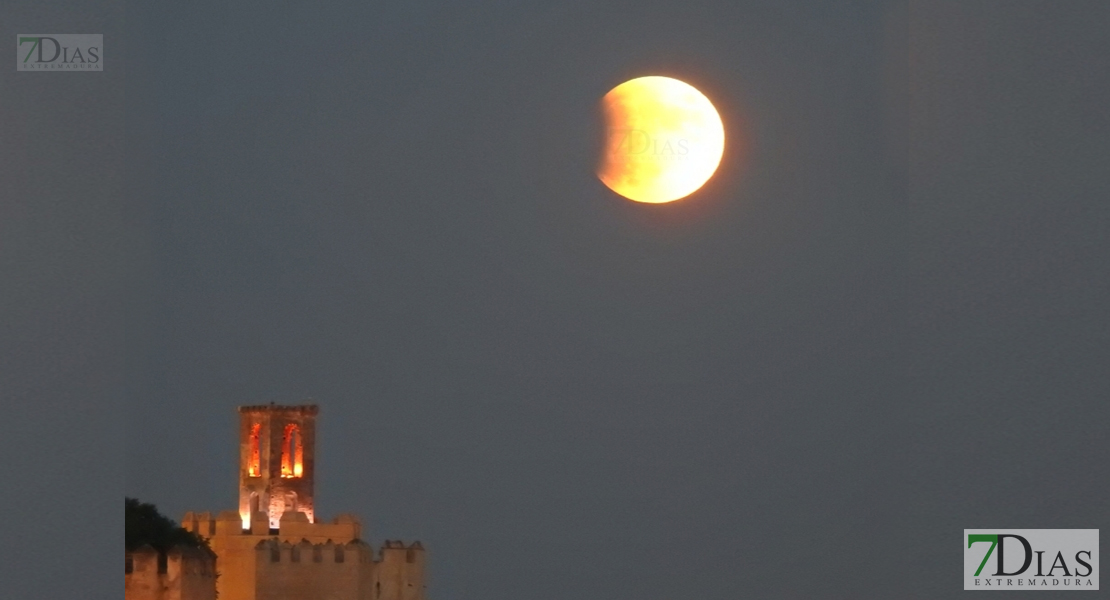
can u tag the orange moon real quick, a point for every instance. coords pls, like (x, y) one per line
(663, 140)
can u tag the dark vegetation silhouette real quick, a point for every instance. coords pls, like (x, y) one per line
(143, 524)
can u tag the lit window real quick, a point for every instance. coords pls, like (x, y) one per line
(292, 452)
(254, 463)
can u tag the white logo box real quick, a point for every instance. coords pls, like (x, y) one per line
(1053, 559)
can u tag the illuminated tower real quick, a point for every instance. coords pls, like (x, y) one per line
(277, 457)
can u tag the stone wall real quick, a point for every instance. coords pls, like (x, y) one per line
(307, 561)
(305, 571)
(400, 572)
(180, 574)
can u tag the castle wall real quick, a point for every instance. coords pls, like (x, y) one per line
(313, 571)
(235, 547)
(181, 574)
(401, 571)
(295, 527)
(299, 560)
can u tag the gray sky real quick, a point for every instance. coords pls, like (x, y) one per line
(882, 322)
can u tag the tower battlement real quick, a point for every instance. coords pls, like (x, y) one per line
(338, 570)
(305, 409)
(292, 526)
(306, 552)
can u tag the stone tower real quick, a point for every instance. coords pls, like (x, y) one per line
(277, 458)
(274, 547)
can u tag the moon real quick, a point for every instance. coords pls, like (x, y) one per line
(663, 140)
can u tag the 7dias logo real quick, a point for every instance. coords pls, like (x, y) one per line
(59, 52)
(637, 144)
(1030, 559)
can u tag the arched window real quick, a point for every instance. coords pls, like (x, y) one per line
(254, 461)
(339, 554)
(292, 452)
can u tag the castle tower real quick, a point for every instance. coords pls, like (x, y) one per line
(277, 458)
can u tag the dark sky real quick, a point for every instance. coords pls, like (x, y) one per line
(883, 321)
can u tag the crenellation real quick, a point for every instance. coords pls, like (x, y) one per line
(200, 523)
(275, 550)
(259, 523)
(228, 523)
(304, 409)
(401, 570)
(180, 573)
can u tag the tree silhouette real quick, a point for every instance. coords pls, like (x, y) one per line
(143, 524)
